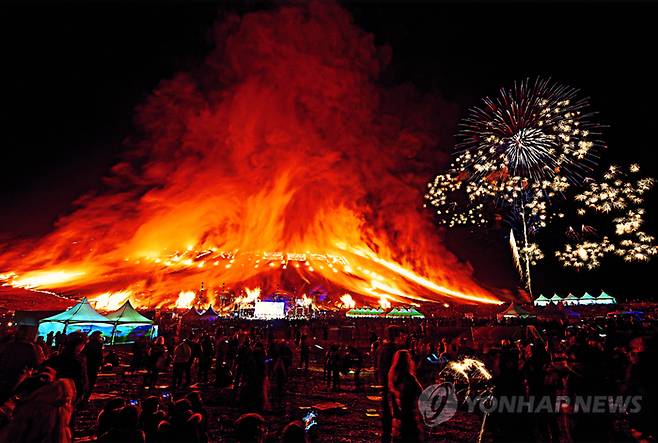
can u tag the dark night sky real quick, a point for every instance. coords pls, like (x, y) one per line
(72, 74)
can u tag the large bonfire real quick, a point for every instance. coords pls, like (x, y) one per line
(279, 162)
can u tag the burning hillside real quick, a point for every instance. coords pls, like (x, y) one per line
(279, 162)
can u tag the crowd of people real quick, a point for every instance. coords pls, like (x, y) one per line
(44, 383)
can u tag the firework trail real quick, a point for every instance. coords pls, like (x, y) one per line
(515, 252)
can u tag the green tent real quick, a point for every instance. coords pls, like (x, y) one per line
(80, 317)
(571, 299)
(415, 313)
(556, 299)
(605, 299)
(404, 313)
(393, 313)
(127, 314)
(587, 299)
(541, 301)
(364, 312)
(129, 324)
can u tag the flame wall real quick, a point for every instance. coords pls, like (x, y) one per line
(283, 139)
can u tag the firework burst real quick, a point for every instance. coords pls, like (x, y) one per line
(534, 131)
(623, 194)
(517, 154)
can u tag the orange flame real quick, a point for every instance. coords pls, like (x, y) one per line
(347, 301)
(280, 163)
(306, 301)
(185, 300)
(110, 301)
(44, 279)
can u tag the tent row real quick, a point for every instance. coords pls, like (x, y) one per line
(367, 312)
(121, 326)
(586, 299)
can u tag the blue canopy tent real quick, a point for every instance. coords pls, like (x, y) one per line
(80, 317)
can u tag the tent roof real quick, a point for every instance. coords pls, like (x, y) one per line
(605, 296)
(415, 313)
(82, 312)
(364, 311)
(191, 313)
(404, 312)
(127, 314)
(541, 297)
(571, 297)
(587, 297)
(516, 310)
(556, 297)
(210, 312)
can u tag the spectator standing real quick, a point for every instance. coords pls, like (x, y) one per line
(70, 363)
(157, 355)
(404, 391)
(93, 352)
(205, 358)
(182, 357)
(384, 360)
